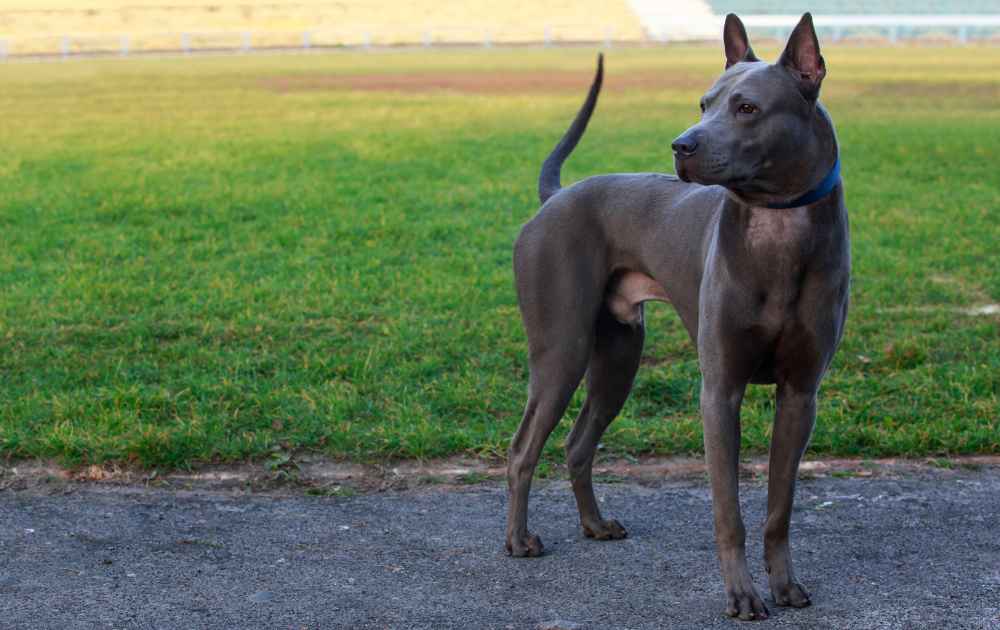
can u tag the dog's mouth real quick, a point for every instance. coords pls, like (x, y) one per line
(682, 171)
(692, 171)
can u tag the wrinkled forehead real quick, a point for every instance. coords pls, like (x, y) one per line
(759, 81)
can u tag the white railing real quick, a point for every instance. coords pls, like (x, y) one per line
(891, 27)
(889, 24)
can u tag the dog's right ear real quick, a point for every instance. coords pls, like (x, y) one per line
(803, 59)
(736, 40)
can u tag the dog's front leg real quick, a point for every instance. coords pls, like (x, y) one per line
(793, 423)
(720, 407)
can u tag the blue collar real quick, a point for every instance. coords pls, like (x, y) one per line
(821, 190)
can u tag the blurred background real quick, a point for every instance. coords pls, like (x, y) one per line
(70, 27)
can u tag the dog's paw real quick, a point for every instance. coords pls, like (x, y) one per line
(527, 546)
(604, 530)
(745, 604)
(790, 594)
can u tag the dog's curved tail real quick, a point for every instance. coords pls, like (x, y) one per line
(548, 180)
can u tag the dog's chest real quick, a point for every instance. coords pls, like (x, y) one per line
(780, 234)
(779, 245)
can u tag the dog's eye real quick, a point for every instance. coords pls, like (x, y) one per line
(747, 108)
(702, 105)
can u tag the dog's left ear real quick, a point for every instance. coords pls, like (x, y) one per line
(802, 58)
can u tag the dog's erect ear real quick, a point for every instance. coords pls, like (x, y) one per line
(736, 40)
(802, 58)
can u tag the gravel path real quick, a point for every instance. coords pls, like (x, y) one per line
(912, 552)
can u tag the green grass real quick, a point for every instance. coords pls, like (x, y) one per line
(196, 268)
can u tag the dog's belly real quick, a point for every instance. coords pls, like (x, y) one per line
(628, 290)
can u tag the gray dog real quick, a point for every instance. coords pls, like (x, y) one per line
(751, 247)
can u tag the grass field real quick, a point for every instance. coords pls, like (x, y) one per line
(213, 259)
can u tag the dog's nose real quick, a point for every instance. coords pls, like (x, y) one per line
(686, 145)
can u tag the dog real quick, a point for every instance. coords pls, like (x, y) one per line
(749, 242)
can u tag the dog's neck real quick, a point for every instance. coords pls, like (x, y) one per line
(825, 173)
(821, 190)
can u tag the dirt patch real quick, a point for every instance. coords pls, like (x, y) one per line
(311, 474)
(491, 82)
(557, 81)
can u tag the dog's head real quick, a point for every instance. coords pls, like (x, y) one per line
(757, 122)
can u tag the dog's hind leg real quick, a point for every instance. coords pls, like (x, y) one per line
(560, 295)
(613, 364)
(555, 374)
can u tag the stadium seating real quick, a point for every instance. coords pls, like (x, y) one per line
(161, 24)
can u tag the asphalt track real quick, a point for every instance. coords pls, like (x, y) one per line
(918, 551)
